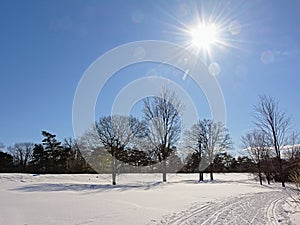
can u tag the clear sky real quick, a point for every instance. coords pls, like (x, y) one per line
(45, 47)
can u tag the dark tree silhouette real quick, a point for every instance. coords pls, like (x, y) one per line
(22, 154)
(257, 147)
(56, 157)
(193, 140)
(116, 133)
(39, 159)
(6, 162)
(274, 124)
(75, 162)
(163, 117)
(215, 139)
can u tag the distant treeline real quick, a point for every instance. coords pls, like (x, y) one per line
(53, 156)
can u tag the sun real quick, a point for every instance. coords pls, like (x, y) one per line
(203, 36)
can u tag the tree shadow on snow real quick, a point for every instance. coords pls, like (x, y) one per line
(48, 187)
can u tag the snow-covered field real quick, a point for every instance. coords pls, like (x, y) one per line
(141, 199)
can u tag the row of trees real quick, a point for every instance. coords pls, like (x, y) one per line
(131, 160)
(51, 156)
(129, 142)
(154, 138)
(126, 144)
(206, 139)
(270, 138)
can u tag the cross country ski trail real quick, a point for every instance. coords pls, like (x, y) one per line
(260, 208)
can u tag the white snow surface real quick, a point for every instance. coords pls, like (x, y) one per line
(90, 199)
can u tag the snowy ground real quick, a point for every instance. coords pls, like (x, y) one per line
(141, 199)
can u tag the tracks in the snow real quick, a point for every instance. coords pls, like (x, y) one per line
(184, 218)
(260, 208)
(271, 212)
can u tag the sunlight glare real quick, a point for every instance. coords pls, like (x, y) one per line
(204, 35)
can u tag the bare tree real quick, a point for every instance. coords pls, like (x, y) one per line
(89, 141)
(293, 148)
(274, 124)
(22, 153)
(75, 160)
(193, 140)
(256, 146)
(215, 139)
(116, 133)
(95, 154)
(295, 192)
(163, 117)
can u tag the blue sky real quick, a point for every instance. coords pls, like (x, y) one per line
(46, 46)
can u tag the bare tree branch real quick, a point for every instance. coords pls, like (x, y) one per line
(163, 117)
(116, 133)
(274, 123)
(22, 153)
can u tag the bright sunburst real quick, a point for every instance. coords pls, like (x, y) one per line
(204, 35)
(209, 30)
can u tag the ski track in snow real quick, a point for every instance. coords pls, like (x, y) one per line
(261, 208)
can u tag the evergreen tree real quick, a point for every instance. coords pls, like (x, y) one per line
(6, 162)
(39, 158)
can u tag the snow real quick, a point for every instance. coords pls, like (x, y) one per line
(141, 199)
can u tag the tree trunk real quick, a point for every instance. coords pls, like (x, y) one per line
(164, 170)
(114, 170)
(268, 179)
(259, 173)
(268, 174)
(260, 178)
(211, 172)
(281, 173)
(200, 169)
(114, 175)
(277, 150)
(200, 176)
